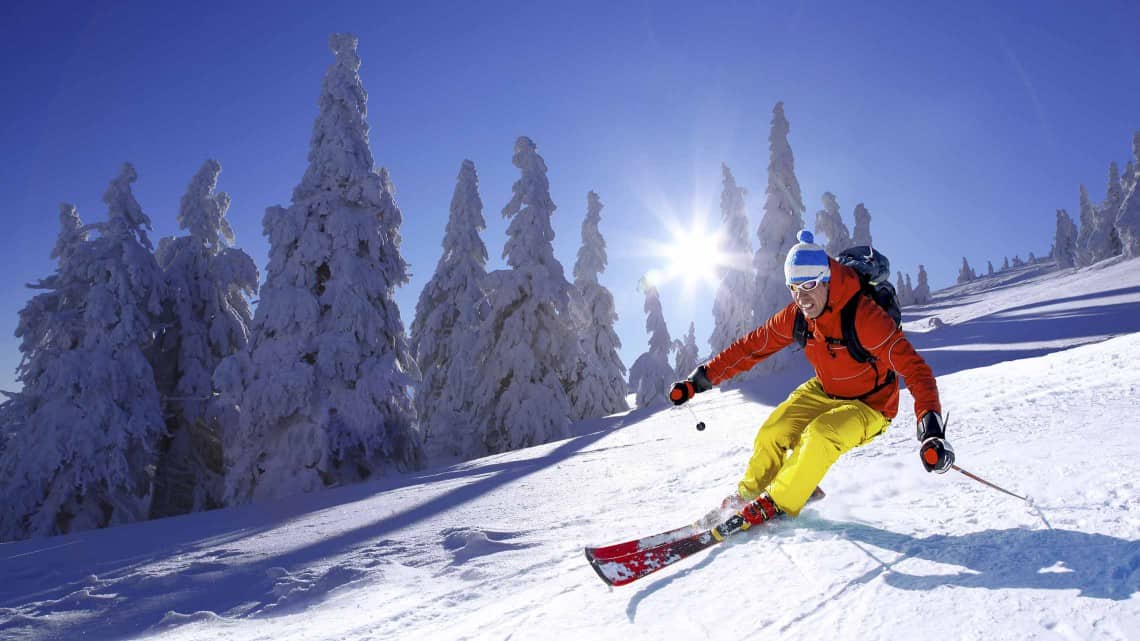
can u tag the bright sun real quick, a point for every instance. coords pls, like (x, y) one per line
(692, 256)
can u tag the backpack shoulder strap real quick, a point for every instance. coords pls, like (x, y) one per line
(799, 328)
(850, 338)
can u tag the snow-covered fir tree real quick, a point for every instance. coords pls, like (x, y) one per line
(1094, 241)
(85, 453)
(50, 324)
(829, 222)
(989, 268)
(1005, 263)
(1127, 221)
(922, 290)
(599, 385)
(1032, 259)
(1110, 208)
(732, 307)
(528, 345)
(651, 375)
(448, 315)
(323, 392)
(1114, 195)
(782, 220)
(687, 354)
(1128, 178)
(910, 294)
(905, 295)
(862, 233)
(207, 318)
(1017, 262)
(966, 273)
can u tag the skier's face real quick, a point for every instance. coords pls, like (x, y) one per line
(810, 301)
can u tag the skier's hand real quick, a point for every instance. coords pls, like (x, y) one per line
(937, 455)
(935, 451)
(697, 382)
(931, 426)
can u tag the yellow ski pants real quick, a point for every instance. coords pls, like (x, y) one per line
(817, 429)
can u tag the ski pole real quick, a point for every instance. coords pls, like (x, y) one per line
(676, 396)
(700, 423)
(985, 482)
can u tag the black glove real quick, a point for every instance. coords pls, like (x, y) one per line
(931, 426)
(936, 453)
(697, 382)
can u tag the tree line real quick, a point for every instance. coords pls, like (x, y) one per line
(151, 387)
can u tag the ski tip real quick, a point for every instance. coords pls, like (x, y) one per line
(589, 552)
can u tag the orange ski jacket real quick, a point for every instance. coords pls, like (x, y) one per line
(841, 375)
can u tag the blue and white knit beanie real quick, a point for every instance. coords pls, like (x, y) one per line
(806, 260)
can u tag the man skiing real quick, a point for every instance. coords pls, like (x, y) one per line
(846, 404)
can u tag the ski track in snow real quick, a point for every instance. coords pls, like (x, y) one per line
(491, 549)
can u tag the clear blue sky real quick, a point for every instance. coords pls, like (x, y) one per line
(961, 126)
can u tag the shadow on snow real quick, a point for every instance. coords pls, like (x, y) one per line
(1096, 565)
(127, 591)
(1020, 326)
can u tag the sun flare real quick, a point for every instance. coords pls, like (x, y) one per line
(692, 256)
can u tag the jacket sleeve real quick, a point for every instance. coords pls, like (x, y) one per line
(888, 344)
(769, 338)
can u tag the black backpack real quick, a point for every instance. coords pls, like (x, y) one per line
(874, 270)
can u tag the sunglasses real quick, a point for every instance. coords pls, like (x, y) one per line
(807, 285)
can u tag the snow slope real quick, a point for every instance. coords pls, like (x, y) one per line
(491, 549)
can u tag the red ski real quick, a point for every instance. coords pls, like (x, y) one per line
(626, 562)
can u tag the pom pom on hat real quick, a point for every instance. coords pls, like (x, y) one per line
(806, 260)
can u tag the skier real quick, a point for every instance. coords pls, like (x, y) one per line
(846, 404)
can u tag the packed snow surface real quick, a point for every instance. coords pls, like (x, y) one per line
(1037, 369)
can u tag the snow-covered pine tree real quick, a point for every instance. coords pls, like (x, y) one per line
(922, 290)
(1128, 178)
(905, 296)
(651, 376)
(448, 316)
(599, 386)
(687, 354)
(829, 222)
(910, 293)
(323, 392)
(1017, 262)
(1114, 195)
(862, 233)
(783, 218)
(1005, 263)
(526, 341)
(1110, 208)
(732, 307)
(1127, 221)
(1032, 259)
(207, 317)
(1094, 241)
(50, 324)
(85, 454)
(966, 274)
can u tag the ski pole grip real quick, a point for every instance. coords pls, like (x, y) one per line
(681, 392)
